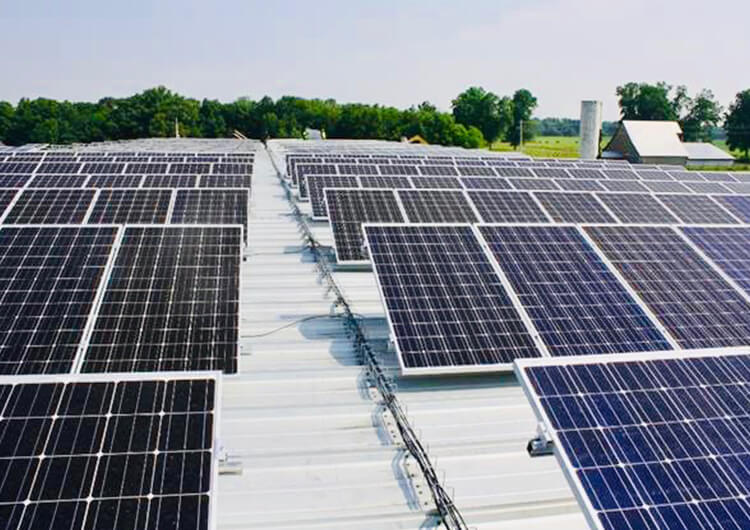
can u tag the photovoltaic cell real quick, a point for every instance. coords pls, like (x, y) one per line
(666, 187)
(476, 171)
(58, 181)
(71, 457)
(207, 206)
(49, 278)
(637, 208)
(233, 168)
(507, 207)
(348, 209)
(14, 181)
(18, 168)
(698, 209)
(485, 183)
(729, 248)
(383, 181)
(436, 183)
(169, 181)
(707, 187)
(738, 187)
(686, 176)
(437, 206)
(620, 174)
(439, 171)
(586, 173)
(93, 168)
(713, 176)
(698, 307)
(224, 181)
(552, 173)
(445, 303)
(189, 169)
(114, 181)
(144, 168)
(624, 185)
(131, 206)
(59, 167)
(514, 172)
(317, 183)
(653, 174)
(398, 170)
(739, 205)
(533, 184)
(58, 206)
(574, 208)
(575, 302)
(171, 302)
(651, 443)
(580, 185)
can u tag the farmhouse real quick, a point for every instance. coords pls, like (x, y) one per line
(660, 142)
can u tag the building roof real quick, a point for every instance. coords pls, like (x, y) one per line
(705, 151)
(655, 138)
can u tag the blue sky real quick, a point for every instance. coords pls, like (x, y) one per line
(391, 52)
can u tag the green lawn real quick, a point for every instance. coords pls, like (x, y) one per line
(547, 147)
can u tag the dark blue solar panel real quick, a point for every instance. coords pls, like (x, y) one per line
(652, 444)
(698, 307)
(729, 248)
(738, 205)
(446, 305)
(576, 303)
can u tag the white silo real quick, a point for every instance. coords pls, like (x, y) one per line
(591, 126)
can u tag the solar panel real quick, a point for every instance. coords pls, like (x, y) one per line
(576, 303)
(45, 206)
(348, 209)
(6, 197)
(398, 170)
(698, 307)
(317, 183)
(143, 168)
(437, 206)
(574, 208)
(686, 176)
(26, 168)
(738, 187)
(738, 205)
(507, 207)
(114, 181)
(476, 171)
(534, 184)
(485, 183)
(698, 209)
(102, 167)
(439, 171)
(624, 185)
(713, 176)
(666, 187)
(114, 452)
(587, 173)
(552, 173)
(13, 181)
(49, 278)
(131, 206)
(169, 181)
(357, 169)
(446, 306)
(58, 181)
(706, 187)
(580, 185)
(232, 168)
(224, 181)
(620, 174)
(436, 183)
(637, 208)
(652, 441)
(729, 248)
(190, 169)
(389, 182)
(59, 167)
(653, 174)
(171, 302)
(207, 206)
(514, 172)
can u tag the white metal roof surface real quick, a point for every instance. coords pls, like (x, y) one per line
(311, 440)
(705, 151)
(655, 138)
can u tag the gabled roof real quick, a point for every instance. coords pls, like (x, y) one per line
(705, 151)
(655, 138)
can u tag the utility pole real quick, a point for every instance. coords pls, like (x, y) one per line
(176, 128)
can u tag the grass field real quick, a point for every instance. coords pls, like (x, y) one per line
(547, 147)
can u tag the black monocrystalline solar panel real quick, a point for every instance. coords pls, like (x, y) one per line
(50, 207)
(49, 277)
(384, 181)
(302, 170)
(739, 205)
(437, 206)
(317, 183)
(507, 207)
(207, 206)
(485, 183)
(171, 302)
(93, 168)
(729, 248)
(439, 171)
(114, 181)
(144, 168)
(82, 452)
(637, 208)
(399, 169)
(449, 183)
(574, 208)
(698, 307)
(58, 181)
(59, 167)
(576, 303)
(18, 168)
(232, 169)
(13, 181)
(357, 169)
(6, 197)
(348, 209)
(224, 181)
(698, 209)
(169, 181)
(190, 169)
(131, 206)
(476, 171)
(653, 442)
(513, 172)
(446, 305)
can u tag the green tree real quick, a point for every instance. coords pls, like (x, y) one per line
(703, 115)
(484, 110)
(524, 104)
(737, 123)
(6, 117)
(642, 101)
(211, 120)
